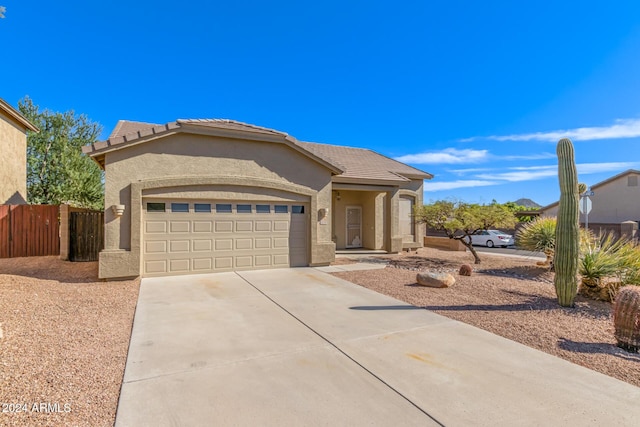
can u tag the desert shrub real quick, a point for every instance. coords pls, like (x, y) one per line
(538, 235)
(606, 258)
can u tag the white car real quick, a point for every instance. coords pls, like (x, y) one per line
(491, 238)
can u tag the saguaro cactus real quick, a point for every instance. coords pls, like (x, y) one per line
(567, 229)
(626, 318)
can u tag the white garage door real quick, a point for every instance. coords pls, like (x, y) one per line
(182, 237)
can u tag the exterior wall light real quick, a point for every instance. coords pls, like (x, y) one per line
(118, 210)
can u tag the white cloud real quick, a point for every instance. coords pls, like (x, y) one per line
(446, 156)
(522, 175)
(622, 128)
(451, 185)
(540, 156)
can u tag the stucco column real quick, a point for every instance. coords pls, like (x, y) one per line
(393, 206)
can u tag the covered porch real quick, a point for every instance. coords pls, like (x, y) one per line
(377, 218)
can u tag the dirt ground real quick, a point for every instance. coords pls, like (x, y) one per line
(510, 297)
(64, 338)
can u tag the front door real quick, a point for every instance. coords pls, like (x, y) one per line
(354, 227)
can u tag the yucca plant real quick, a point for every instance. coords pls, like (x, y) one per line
(538, 235)
(608, 257)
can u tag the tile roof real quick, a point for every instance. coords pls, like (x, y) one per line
(362, 163)
(125, 126)
(229, 124)
(350, 164)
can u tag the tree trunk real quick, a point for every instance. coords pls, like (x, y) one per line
(472, 250)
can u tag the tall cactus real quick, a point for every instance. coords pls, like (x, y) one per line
(568, 229)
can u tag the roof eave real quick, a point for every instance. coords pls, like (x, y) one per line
(370, 181)
(17, 116)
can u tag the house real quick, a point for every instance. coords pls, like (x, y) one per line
(13, 155)
(615, 200)
(199, 196)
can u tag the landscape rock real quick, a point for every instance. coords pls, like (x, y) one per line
(465, 270)
(435, 280)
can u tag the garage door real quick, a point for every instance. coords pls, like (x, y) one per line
(182, 237)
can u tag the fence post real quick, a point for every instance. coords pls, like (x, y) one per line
(64, 232)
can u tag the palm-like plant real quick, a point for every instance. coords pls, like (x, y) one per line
(538, 235)
(609, 257)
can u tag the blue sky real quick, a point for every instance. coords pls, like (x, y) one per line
(476, 93)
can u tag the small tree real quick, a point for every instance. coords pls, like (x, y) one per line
(461, 220)
(57, 170)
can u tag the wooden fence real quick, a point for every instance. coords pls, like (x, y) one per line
(29, 230)
(86, 235)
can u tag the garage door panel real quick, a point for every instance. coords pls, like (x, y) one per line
(224, 226)
(202, 226)
(244, 261)
(179, 246)
(224, 263)
(281, 242)
(202, 245)
(244, 244)
(200, 264)
(208, 241)
(155, 267)
(179, 265)
(281, 260)
(280, 225)
(179, 226)
(224, 244)
(156, 227)
(158, 246)
(263, 243)
(242, 226)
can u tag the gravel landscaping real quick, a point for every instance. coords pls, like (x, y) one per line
(64, 334)
(64, 337)
(511, 297)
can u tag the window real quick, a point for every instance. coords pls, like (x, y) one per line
(632, 181)
(202, 207)
(223, 208)
(297, 209)
(243, 208)
(155, 207)
(281, 209)
(263, 208)
(179, 207)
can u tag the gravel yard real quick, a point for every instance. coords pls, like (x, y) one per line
(64, 337)
(511, 297)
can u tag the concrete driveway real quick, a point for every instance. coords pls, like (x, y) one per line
(301, 347)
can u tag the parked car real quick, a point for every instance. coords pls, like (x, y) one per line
(491, 238)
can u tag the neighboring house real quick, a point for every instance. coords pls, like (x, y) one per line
(615, 200)
(198, 196)
(13, 155)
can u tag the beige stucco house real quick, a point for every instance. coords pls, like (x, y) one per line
(615, 200)
(199, 196)
(13, 155)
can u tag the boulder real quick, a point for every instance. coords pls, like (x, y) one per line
(435, 280)
(465, 270)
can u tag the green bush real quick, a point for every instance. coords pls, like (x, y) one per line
(538, 235)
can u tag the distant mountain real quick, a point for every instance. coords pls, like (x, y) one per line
(527, 203)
